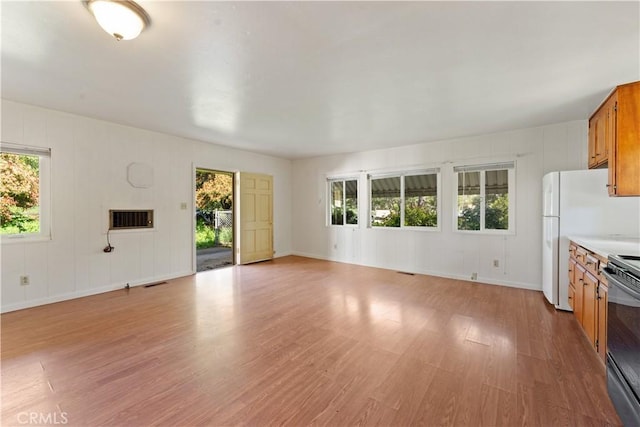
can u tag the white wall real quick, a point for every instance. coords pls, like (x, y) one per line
(444, 253)
(89, 161)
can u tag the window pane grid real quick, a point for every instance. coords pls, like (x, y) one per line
(20, 194)
(385, 202)
(343, 202)
(483, 199)
(405, 200)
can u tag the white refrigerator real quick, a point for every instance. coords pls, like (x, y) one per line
(577, 203)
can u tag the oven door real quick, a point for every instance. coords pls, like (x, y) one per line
(623, 345)
(623, 398)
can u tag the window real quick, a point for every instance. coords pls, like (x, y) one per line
(405, 200)
(24, 191)
(343, 196)
(484, 197)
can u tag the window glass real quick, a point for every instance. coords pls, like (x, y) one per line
(385, 202)
(497, 200)
(19, 193)
(485, 197)
(343, 201)
(421, 200)
(351, 201)
(337, 206)
(469, 201)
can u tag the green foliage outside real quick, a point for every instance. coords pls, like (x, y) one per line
(208, 237)
(496, 213)
(419, 211)
(19, 193)
(337, 215)
(214, 192)
(22, 221)
(391, 204)
(469, 216)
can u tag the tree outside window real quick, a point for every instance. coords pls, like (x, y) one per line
(421, 200)
(483, 198)
(20, 208)
(344, 202)
(385, 202)
(406, 200)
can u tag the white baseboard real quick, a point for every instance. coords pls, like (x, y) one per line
(446, 275)
(88, 292)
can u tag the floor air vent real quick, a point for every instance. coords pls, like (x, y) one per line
(151, 285)
(119, 220)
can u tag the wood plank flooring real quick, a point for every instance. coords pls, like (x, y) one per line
(298, 341)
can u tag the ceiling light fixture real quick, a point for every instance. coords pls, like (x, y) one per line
(123, 19)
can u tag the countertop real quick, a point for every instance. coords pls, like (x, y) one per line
(609, 245)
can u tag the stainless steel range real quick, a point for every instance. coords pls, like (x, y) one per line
(623, 337)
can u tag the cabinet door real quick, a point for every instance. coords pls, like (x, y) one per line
(591, 262)
(572, 297)
(579, 292)
(601, 135)
(572, 269)
(626, 168)
(603, 294)
(612, 142)
(590, 307)
(593, 125)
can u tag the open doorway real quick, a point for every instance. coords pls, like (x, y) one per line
(214, 219)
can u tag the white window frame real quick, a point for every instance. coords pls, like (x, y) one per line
(344, 180)
(510, 166)
(44, 201)
(402, 175)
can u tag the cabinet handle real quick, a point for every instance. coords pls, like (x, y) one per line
(593, 157)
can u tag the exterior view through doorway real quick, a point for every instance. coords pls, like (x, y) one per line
(214, 233)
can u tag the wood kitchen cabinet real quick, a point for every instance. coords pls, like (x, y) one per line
(603, 300)
(598, 126)
(578, 285)
(590, 307)
(572, 289)
(614, 139)
(588, 295)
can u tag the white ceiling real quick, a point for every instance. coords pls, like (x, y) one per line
(297, 79)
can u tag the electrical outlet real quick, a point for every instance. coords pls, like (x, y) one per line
(24, 280)
(496, 263)
(335, 246)
(183, 206)
(474, 276)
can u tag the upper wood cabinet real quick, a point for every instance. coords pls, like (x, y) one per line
(614, 139)
(598, 150)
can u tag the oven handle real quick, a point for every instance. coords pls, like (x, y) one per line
(618, 283)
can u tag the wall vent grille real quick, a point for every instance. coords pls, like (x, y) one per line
(121, 219)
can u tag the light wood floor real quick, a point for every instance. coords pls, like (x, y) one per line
(298, 341)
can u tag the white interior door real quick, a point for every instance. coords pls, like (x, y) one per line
(256, 217)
